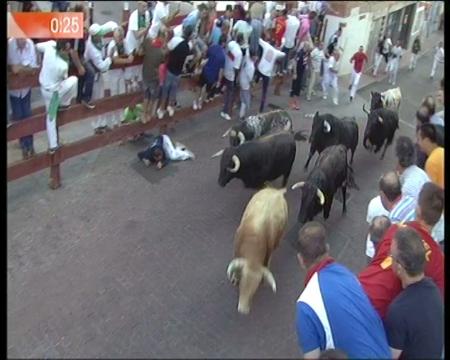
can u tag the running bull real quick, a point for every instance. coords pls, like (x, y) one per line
(331, 172)
(389, 99)
(329, 130)
(258, 235)
(380, 129)
(256, 126)
(258, 161)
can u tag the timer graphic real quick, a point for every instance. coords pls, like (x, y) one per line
(41, 25)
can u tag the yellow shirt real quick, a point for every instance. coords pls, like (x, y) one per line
(434, 166)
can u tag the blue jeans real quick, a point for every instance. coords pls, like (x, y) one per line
(86, 83)
(170, 88)
(228, 96)
(21, 109)
(265, 86)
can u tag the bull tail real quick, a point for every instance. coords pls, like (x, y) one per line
(300, 136)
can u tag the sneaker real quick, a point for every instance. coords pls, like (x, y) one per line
(335, 102)
(170, 110)
(225, 116)
(351, 98)
(194, 105)
(88, 105)
(160, 113)
(199, 105)
(324, 97)
(146, 162)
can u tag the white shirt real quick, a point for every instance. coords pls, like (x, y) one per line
(160, 12)
(178, 30)
(439, 56)
(269, 56)
(387, 45)
(292, 26)
(438, 118)
(24, 57)
(317, 56)
(247, 72)
(412, 180)
(374, 209)
(233, 60)
(244, 28)
(133, 24)
(332, 64)
(91, 53)
(398, 52)
(54, 69)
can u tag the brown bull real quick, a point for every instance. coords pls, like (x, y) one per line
(258, 235)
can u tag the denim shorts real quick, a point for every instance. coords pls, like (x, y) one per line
(151, 91)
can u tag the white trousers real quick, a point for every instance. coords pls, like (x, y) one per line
(435, 65)
(378, 58)
(393, 69)
(67, 90)
(177, 151)
(413, 63)
(330, 80)
(354, 82)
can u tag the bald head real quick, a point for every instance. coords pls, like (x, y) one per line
(390, 185)
(378, 228)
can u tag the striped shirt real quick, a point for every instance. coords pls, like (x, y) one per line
(412, 180)
(404, 210)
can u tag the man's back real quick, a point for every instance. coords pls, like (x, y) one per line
(419, 336)
(334, 312)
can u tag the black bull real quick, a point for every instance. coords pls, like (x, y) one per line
(258, 161)
(331, 172)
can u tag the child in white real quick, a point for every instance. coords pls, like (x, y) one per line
(438, 58)
(394, 63)
(330, 78)
(245, 77)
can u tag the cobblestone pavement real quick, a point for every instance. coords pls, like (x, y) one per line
(127, 261)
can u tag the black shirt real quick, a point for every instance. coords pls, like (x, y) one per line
(415, 321)
(177, 58)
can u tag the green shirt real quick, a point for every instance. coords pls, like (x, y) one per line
(133, 114)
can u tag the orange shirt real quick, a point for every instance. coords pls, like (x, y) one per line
(434, 166)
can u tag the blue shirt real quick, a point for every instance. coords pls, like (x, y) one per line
(216, 61)
(334, 312)
(192, 19)
(215, 35)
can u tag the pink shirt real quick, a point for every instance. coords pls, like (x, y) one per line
(304, 27)
(162, 71)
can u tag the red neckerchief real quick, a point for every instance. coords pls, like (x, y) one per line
(317, 267)
(157, 43)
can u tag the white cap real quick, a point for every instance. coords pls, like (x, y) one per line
(94, 29)
(279, 7)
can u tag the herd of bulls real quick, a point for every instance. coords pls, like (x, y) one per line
(263, 148)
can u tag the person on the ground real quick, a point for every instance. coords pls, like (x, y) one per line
(358, 59)
(428, 143)
(162, 150)
(22, 61)
(154, 56)
(414, 53)
(378, 280)
(245, 78)
(378, 227)
(292, 27)
(233, 62)
(55, 82)
(265, 68)
(301, 62)
(178, 52)
(384, 49)
(317, 55)
(438, 59)
(352, 325)
(394, 62)
(391, 202)
(330, 77)
(212, 72)
(415, 318)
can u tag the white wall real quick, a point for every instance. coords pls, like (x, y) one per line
(354, 34)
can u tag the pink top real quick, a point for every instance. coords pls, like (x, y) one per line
(162, 71)
(304, 27)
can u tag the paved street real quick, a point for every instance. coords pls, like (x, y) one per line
(127, 261)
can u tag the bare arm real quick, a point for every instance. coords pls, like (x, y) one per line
(314, 354)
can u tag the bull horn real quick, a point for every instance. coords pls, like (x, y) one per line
(288, 126)
(226, 133)
(268, 277)
(237, 164)
(321, 196)
(327, 126)
(380, 119)
(364, 109)
(232, 133)
(297, 185)
(241, 138)
(234, 265)
(219, 153)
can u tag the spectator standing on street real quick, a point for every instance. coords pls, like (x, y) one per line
(265, 67)
(280, 25)
(434, 165)
(22, 61)
(292, 26)
(233, 61)
(415, 319)
(394, 62)
(358, 59)
(301, 62)
(438, 117)
(245, 78)
(330, 78)
(438, 59)
(333, 311)
(178, 52)
(316, 57)
(333, 42)
(414, 51)
(384, 49)
(378, 280)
